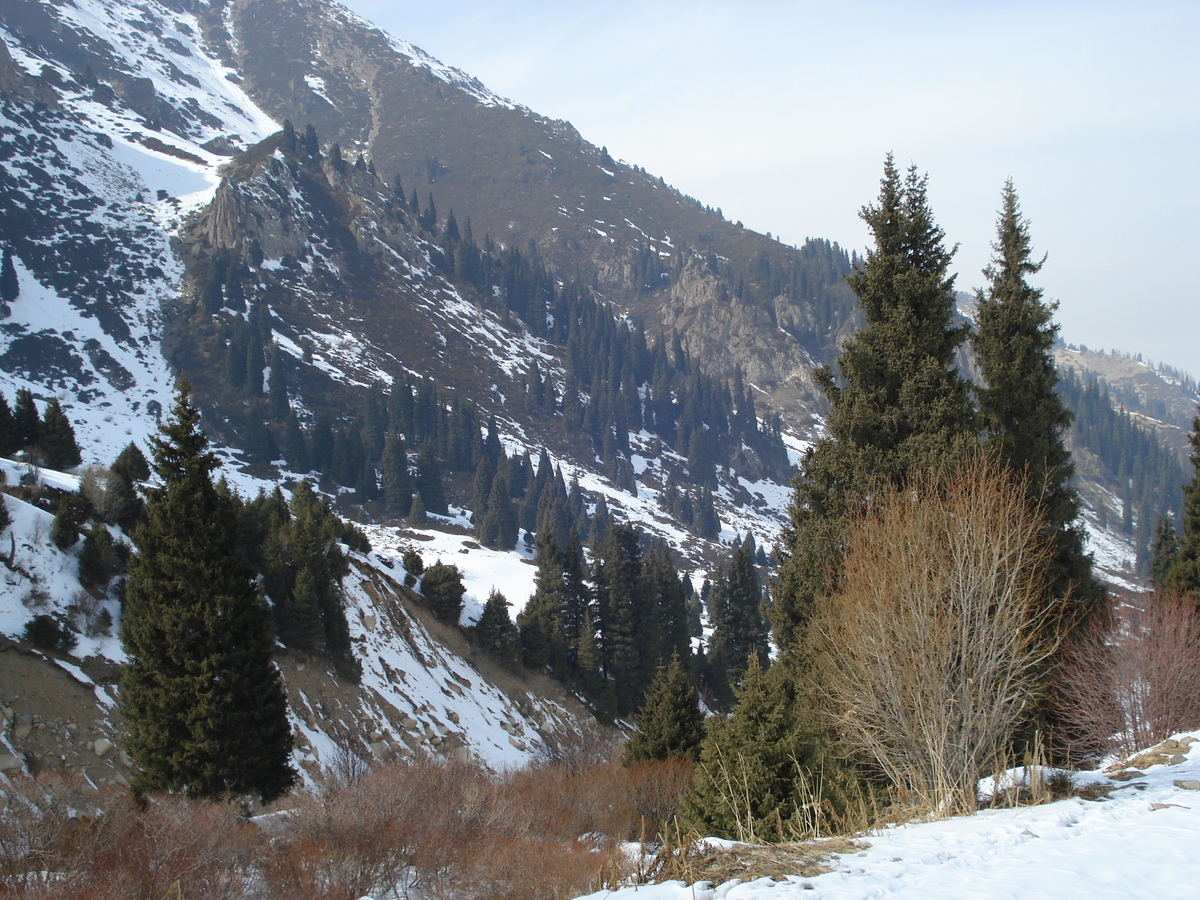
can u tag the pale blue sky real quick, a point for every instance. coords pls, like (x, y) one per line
(781, 114)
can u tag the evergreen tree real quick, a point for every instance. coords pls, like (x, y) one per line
(278, 406)
(899, 406)
(758, 766)
(59, 448)
(495, 630)
(131, 463)
(1023, 417)
(1163, 552)
(443, 589)
(201, 699)
(27, 421)
(735, 610)
(1184, 575)
(10, 286)
(397, 485)
(628, 625)
(670, 724)
(543, 642)
(429, 481)
(8, 434)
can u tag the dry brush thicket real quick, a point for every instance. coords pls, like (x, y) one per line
(1134, 681)
(934, 643)
(420, 828)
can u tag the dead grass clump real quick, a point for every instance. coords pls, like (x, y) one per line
(689, 859)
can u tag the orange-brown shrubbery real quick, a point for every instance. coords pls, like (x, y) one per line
(1136, 682)
(423, 827)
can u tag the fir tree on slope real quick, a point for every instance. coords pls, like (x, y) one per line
(670, 724)
(203, 703)
(899, 405)
(1023, 418)
(1184, 573)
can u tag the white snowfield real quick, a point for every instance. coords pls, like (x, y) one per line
(1142, 841)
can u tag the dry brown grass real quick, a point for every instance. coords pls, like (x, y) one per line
(431, 827)
(687, 858)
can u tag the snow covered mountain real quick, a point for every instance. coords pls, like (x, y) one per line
(241, 189)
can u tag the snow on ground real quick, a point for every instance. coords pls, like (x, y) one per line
(1139, 842)
(509, 572)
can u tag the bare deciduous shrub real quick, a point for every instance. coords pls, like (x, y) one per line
(1137, 682)
(934, 640)
(37, 817)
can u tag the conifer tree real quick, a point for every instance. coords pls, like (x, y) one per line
(8, 436)
(202, 701)
(10, 285)
(495, 630)
(1163, 552)
(627, 620)
(27, 421)
(670, 724)
(897, 405)
(1184, 575)
(757, 766)
(735, 610)
(443, 589)
(59, 448)
(1023, 419)
(397, 485)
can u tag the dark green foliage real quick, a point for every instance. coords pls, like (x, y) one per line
(759, 766)
(735, 611)
(27, 422)
(48, 633)
(898, 405)
(10, 286)
(278, 406)
(57, 438)
(496, 632)
(443, 590)
(100, 558)
(69, 515)
(8, 433)
(670, 724)
(429, 481)
(416, 512)
(397, 485)
(544, 620)
(1184, 574)
(414, 567)
(5, 515)
(131, 463)
(628, 623)
(1164, 552)
(1023, 418)
(202, 702)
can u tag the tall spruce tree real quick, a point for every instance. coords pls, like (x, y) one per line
(897, 405)
(203, 703)
(1023, 418)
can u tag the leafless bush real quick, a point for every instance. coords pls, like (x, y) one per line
(1136, 682)
(37, 817)
(934, 640)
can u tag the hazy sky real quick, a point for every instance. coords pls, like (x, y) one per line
(781, 114)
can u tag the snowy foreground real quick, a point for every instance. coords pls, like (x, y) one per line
(1142, 841)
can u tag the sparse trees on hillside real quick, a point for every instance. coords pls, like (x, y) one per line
(1184, 573)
